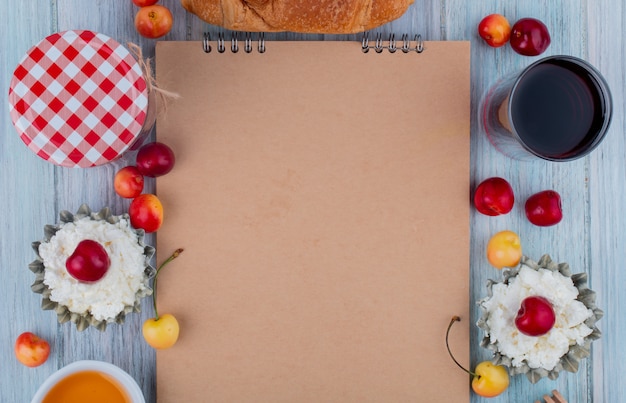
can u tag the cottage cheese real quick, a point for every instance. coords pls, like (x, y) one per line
(543, 351)
(106, 298)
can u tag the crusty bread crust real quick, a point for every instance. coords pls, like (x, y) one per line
(305, 16)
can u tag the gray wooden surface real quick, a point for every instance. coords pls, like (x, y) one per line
(591, 237)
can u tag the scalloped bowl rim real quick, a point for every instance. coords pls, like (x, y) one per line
(122, 377)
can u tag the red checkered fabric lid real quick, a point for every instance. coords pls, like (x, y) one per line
(78, 99)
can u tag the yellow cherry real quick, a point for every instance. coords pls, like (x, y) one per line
(504, 249)
(488, 380)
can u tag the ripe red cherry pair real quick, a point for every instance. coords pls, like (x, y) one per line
(494, 196)
(528, 36)
(153, 160)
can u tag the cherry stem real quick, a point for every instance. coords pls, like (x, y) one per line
(456, 319)
(154, 281)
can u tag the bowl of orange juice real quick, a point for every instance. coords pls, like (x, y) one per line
(89, 381)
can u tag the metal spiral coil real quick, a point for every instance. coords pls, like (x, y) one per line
(390, 45)
(234, 43)
(379, 44)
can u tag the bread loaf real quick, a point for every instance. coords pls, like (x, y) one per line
(304, 16)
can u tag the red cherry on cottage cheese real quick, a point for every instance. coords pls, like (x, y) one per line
(535, 317)
(89, 262)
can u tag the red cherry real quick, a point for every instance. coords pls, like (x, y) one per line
(494, 196)
(89, 262)
(535, 316)
(155, 159)
(128, 182)
(495, 30)
(544, 208)
(144, 3)
(529, 37)
(146, 212)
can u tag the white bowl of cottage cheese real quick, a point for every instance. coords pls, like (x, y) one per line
(112, 297)
(565, 344)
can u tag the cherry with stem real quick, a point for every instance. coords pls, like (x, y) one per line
(174, 255)
(457, 319)
(488, 380)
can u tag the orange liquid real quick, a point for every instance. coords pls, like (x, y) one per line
(87, 386)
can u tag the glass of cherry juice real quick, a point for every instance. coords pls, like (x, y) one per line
(557, 109)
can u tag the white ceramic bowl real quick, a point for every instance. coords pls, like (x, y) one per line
(122, 377)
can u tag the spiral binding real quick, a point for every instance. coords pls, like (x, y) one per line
(379, 45)
(234, 43)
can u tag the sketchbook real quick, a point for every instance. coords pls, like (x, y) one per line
(320, 194)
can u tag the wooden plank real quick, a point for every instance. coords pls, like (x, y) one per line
(606, 205)
(590, 238)
(569, 179)
(28, 185)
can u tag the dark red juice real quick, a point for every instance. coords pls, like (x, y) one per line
(559, 110)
